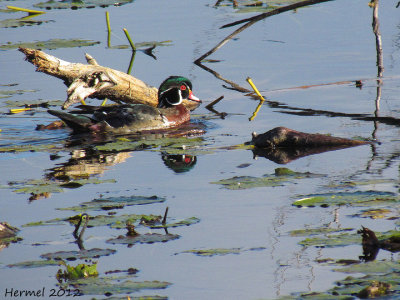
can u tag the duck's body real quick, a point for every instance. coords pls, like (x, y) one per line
(131, 118)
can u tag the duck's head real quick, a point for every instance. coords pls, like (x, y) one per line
(174, 90)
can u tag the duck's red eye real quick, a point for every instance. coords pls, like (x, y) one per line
(183, 87)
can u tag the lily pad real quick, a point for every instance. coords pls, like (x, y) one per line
(50, 44)
(316, 231)
(28, 103)
(281, 176)
(221, 251)
(215, 251)
(115, 286)
(114, 221)
(46, 187)
(10, 93)
(74, 255)
(56, 221)
(75, 4)
(372, 267)
(351, 286)
(142, 45)
(334, 240)
(360, 198)
(35, 186)
(26, 21)
(365, 182)
(377, 213)
(185, 222)
(34, 264)
(148, 238)
(115, 203)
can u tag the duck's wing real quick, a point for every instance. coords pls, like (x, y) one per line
(79, 123)
(129, 118)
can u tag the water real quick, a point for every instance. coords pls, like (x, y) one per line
(321, 44)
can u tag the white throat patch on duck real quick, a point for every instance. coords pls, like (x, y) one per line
(170, 97)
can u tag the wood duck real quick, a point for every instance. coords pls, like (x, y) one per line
(131, 118)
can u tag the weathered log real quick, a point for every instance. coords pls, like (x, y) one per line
(285, 137)
(94, 81)
(7, 231)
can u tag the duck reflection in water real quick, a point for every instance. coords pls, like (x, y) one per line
(179, 163)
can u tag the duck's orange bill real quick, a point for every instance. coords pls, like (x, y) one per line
(193, 97)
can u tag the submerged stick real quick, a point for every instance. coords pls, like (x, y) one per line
(285, 137)
(210, 105)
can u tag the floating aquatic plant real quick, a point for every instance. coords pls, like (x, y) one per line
(334, 240)
(316, 231)
(115, 203)
(221, 251)
(51, 4)
(147, 238)
(359, 198)
(279, 178)
(44, 186)
(115, 286)
(50, 44)
(34, 264)
(82, 254)
(214, 252)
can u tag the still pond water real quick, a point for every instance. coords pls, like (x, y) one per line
(235, 233)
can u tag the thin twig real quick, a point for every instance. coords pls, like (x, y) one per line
(164, 220)
(129, 39)
(210, 105)
(262, 100)
(275, 12)
(29, 11)
(108, 30)
(378, 39)
(248, 79)
(234, 85)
